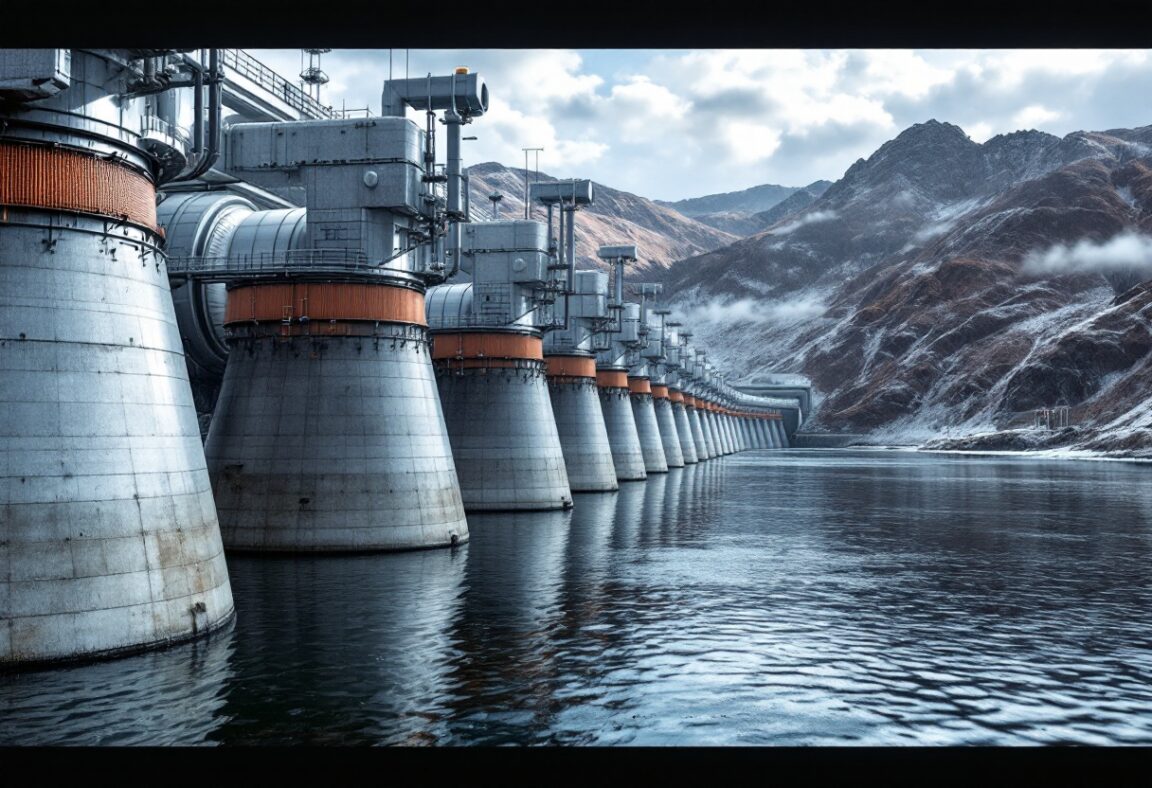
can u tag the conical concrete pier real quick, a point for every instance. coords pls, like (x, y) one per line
(627, 456)
(328, 434)
(647, 428)
(694, 421)
(580, 423)
(666, 421)
(499, 415)
(683, 426)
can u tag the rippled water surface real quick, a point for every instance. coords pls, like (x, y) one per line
(800, 597)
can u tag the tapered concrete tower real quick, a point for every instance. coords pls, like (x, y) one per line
(571, 344)
(683, 426)
(690, 369)
(662, 372)
(328, 434)
(649, 353)
(675, 378)
(490, 371)
(612, 375)
(109, 539)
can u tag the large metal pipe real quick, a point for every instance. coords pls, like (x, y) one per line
(211, 153)
(453, 122)
(619, 283)
(571, 244)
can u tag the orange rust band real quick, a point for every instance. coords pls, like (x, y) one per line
(570, 367)
(659, 392)
(611, 379)
(689, 401)
(287, 303)
(676, 396)
(65, 180)
(640, 385)
(484, 363)
(487, 347)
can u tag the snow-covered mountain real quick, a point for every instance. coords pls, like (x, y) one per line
(948, 287)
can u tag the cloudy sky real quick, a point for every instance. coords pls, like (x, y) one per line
(670, 124)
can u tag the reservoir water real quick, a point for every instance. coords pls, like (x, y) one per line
(813, 597)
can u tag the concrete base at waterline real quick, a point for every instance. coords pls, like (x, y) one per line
(669, 435)
(622, 435)
(504, 438)
(647, 429)
(684, 433)
(583, 436)
(109, 541)
(333, 444)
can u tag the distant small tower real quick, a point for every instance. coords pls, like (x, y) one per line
(495, 198)
(313, 76)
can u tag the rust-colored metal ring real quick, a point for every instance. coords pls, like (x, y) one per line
(464, 345)
(327, 302)
(60, 179)
(611, 379)
(640, 385)
(571, 367)
(659, 392)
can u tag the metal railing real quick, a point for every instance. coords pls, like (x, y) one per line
(251, 68)
(285, 265)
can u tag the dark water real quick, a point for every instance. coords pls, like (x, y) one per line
(802, 597)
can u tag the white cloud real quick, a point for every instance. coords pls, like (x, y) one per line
(930, 231)
(1122, 252)
(980, 132)
(808, 218)
(680, 124)
(751, 310)
(1034, 116)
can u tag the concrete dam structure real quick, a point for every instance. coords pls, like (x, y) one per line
(288, 334)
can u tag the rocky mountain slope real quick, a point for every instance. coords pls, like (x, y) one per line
(749, 211)
(758, 198)
(794, 203)
(944, 287)
(661, 234)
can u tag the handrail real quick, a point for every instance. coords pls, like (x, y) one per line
(251, 68)
(299, 262)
